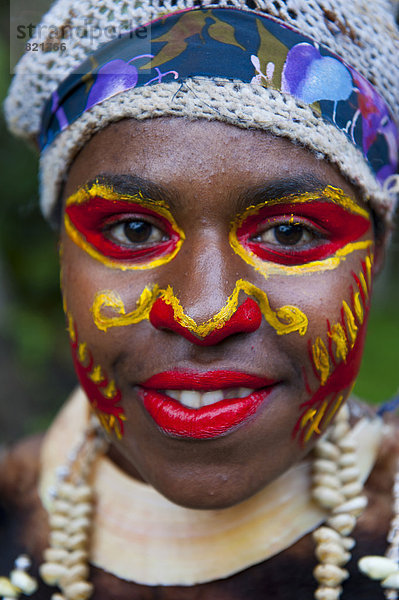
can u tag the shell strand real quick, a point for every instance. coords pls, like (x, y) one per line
(337, 488)
(70, 518)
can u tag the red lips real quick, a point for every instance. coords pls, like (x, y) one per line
(208, 421)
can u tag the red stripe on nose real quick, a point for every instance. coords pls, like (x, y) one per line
(246, 319)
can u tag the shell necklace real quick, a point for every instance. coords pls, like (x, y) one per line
(133, 515)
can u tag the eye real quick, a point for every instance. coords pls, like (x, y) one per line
(135, 232)
(286, 234)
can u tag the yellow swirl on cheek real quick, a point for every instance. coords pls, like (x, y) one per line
(284, 320)
(267, 268)
(86, 193)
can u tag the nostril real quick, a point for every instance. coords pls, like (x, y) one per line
(246, 319)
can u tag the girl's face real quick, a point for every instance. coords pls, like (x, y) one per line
(216, 284)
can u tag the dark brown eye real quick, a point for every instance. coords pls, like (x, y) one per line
(288, 235)
(135, 231)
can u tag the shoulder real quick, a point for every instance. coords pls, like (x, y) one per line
(19, 471)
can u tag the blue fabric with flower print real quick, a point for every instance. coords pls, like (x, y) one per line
(236, 45)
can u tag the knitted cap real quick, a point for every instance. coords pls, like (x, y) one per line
(362, 33)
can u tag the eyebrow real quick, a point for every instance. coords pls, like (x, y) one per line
(131, 185)
(128, 184)
(281, 188)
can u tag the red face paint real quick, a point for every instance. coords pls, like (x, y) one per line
(95, 392)
(94, 218)
(247, 318)
(206, 422)
(333, 227)
(342, 376)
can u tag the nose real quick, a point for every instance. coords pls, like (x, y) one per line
(209, 306)
(245, 319)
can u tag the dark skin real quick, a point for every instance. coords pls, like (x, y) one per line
(208, 184)
(176, 155)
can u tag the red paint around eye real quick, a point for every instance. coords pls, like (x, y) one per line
(91, 218)
(338, 227)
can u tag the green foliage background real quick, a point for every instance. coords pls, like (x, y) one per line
(35, 368)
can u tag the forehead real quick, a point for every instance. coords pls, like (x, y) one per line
(197, 157)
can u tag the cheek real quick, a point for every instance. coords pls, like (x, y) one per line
(334, 348)
(92, 351)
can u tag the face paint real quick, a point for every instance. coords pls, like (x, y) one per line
(285, 320)
(336, 364)
(102, 393)
(99, 220)
(333, 220)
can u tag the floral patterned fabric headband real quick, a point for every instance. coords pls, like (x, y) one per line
(232, 44)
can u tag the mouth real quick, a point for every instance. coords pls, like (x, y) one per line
(203, 405)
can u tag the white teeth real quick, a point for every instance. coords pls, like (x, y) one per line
(243, 392)
(194, 399)
(211, 397)
(190, 398)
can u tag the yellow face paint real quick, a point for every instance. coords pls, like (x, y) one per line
(321, 359)
(269, 264)
(91, 210)
(338, 336)
(350, 323)
(284, 320)
(315, 422)
(343, 350)
(358, 307)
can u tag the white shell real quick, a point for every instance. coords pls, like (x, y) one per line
(326, 480)
(343, 414)
(83, 493)
(339, 431)
(66, 490)
(347, 445)
(350, 490)
(83, 509)
(377, 567)
(77, 541)
(327, 497)
(81, 590)
(348, 543)
(326, 534)
(23, 581)
(79, 572)
(23, 562)
(391, 582)
(347, 460)
(354, 506)
(325, 449)
(55, 555)
(330, 575)
(328, 593)
(58, 521)
(344, 524)
(58, 539)
(79, 524)
(58, 597)
(321, 465)
(332, 553)
(76, 557)
(62, 506)
(51, 572)
(349, 474)
(7, 588)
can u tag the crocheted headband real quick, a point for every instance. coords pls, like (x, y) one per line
(239, 66)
